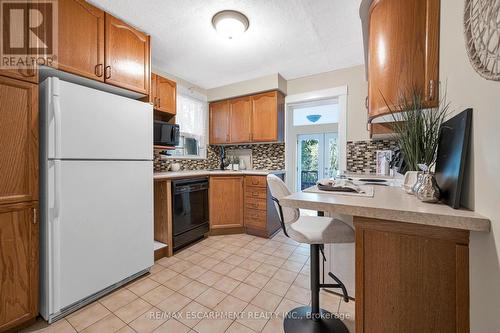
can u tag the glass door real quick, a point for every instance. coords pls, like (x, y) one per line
(317, 156)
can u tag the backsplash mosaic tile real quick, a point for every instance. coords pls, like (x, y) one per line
(361, 155)
(269, 156)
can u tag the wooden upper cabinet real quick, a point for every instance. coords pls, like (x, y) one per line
(403, 53)
(18, 264)
(226, 202)
(165, 95)
(219, 122)
(81, 39)
(267, 109)
(127, 56)
(240, 120)
(19, 138)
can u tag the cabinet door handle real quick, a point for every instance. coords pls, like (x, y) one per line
(98, 70)
(366, 102)
(34, 215)
(108, 72)
(159, 101)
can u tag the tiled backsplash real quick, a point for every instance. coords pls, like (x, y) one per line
(361, 155)
(265, 156)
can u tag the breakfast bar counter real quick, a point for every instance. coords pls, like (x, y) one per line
(412, 259)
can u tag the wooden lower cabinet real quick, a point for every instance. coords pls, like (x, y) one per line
(261, 217)
(411, 278)
(226, 204)
(19, 232)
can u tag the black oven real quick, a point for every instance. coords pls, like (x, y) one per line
(165, 134)
(190, 210)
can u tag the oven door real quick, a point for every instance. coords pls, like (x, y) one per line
(190, 205)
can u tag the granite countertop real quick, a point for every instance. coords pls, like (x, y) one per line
(390, 203)
(203, 173)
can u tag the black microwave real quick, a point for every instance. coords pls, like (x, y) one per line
(165, 134)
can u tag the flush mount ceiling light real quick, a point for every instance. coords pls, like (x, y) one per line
(230, 23)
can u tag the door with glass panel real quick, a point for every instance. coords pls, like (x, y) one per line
(317, 156)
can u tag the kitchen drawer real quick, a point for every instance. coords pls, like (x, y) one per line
(255, 203)
(255, 218)
(260, 181)
(255, 192)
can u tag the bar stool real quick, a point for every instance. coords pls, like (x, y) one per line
(316, 231)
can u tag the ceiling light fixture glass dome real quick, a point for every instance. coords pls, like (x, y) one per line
(230, 23)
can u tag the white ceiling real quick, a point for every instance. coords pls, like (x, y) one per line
(292, 37)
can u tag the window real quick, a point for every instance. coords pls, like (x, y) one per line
(192, 119)
(316, 113)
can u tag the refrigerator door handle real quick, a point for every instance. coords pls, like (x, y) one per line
(57, 125)
(57, 189)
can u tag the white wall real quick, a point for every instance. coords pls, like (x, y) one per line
(465, 88)
(357, 89)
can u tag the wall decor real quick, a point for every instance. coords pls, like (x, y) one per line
(482, 36)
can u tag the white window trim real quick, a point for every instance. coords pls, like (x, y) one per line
(291, 132)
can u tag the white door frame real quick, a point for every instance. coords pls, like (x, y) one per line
(291, 132)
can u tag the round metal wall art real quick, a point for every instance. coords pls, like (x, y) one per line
(482, 36)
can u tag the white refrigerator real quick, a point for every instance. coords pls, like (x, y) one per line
(96, 197)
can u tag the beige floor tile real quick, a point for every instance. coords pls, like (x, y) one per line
(218, 245)
(306, 270)
(286, 306)
(274, 325)
(194, 271)
(303, 250)
(167, 261)
(243, 252)
(266, 269)
(172, 326)
(207, 251)
(300, 258)
(110, 323)
(174, 303)
(329, 301)
(195, 258)
(125, 329)
(141, 287)
(245, 292)
(208, 263)
(220, 255)
(285, 275)
(132, 310)
(254, 317)
(41, 326)
(292, 266)
(163, 275)
(261, 257)
(87, 316)
(226, 284)
(238, 328)
(209, 278)
(157, 295)
(223, 268)
(277, 287)
(303, 281)
(275, 261)
(253, 246)
(249, 264)
(234, 259)
(298, 294)
(239, 274)
(156, 268)
(266, 300)
(181, 266)
(192, 314)
(184, 254)
(193, 289)
(177, 282)
(269, 250)
(208, 325)
(210, 298)
(231, 304)
(257, 280)
(231, 248)
(148, 322)
(118, 299)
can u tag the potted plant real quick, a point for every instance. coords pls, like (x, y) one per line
(416, 130)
